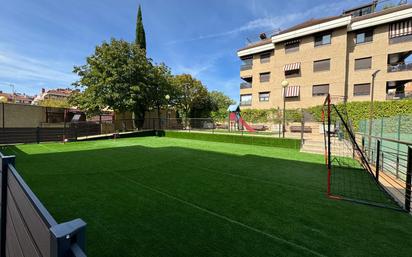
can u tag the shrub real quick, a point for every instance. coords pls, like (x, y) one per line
(358, 111)
(237, 139)
(271, 115)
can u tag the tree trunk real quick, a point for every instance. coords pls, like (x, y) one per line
(158, 116)
(139, 114)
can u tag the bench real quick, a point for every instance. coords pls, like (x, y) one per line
(299, 128)
(259, 127)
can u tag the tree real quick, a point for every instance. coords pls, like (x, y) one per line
(220, 102)
(55, 103)
(160, 87)
(117, 75)
(188, 93)
(140, 33)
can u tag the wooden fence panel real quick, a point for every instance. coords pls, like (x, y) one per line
(27, 228)
(21, 207)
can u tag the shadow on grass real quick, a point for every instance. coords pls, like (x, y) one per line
(176, 201)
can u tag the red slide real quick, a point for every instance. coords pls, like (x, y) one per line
(247, 126)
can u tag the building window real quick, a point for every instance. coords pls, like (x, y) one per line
(247, 63)
(320, 90)
(363, 11)
(292, 46)
(400, 61)
(264, 77)
(292, 74)
(321, 65)
(363, 63)
(265, 58)
(323, 39)
(292, 70)
(264, 97)
(361, 89)
(363, 37)
(246, 100)
(400, 29)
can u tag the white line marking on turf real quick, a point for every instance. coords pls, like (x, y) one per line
(220, 216)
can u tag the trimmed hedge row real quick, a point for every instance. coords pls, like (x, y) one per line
(237, 139)
(358, 111)
(271, 115)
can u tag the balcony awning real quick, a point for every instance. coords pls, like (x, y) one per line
(295, 41)
(292, 91)
(292, 66)
(400, 29)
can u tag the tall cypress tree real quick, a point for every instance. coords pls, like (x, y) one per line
(140, 33)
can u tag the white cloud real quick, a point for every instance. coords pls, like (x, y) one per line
(271, 23)
(16, 68)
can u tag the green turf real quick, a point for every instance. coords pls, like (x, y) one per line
(177, 197)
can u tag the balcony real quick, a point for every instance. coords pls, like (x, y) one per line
(396, 90)
(245, 85)
(400, 67)
(398, 96)
(246, 67)
(246, 103)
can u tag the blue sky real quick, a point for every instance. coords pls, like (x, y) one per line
(41, 41)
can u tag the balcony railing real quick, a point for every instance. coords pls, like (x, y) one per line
(246, 67)
(398, 96)
(400, 67)
(245, 85)
(246, 103)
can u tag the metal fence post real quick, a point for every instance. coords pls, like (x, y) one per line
(302, 127)
(408, 181)
(398, 146)
(378, 155)
(68, 239)
(64, 126)
(363, 143)
(38, 135)
(5, 161)
(3, 113)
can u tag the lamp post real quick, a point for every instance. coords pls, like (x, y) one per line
(167, 97)
(284, 84)
(371, 109)
(13, 93)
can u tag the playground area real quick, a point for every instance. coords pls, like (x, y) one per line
(164, 196)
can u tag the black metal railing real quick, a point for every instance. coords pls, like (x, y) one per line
(400, 67)
(392, 163)
(246, 67)
(246, 103)
(398, 96)
(245, 85)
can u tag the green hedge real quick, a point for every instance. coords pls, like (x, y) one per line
(271, 115)
(237, 139)
(358, 111)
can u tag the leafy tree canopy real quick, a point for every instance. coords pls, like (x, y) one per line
(117, 75)
(55, 103)
(189, 93)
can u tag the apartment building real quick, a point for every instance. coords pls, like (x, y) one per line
(16, 98)
(53, 94)
(335, 55)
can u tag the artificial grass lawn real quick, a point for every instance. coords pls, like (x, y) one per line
(177, 197)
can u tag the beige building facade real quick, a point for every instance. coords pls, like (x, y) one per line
(335, 55)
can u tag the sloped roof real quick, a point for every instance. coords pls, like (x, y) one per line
(258, 43)
(313, 22)
(309, 23)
